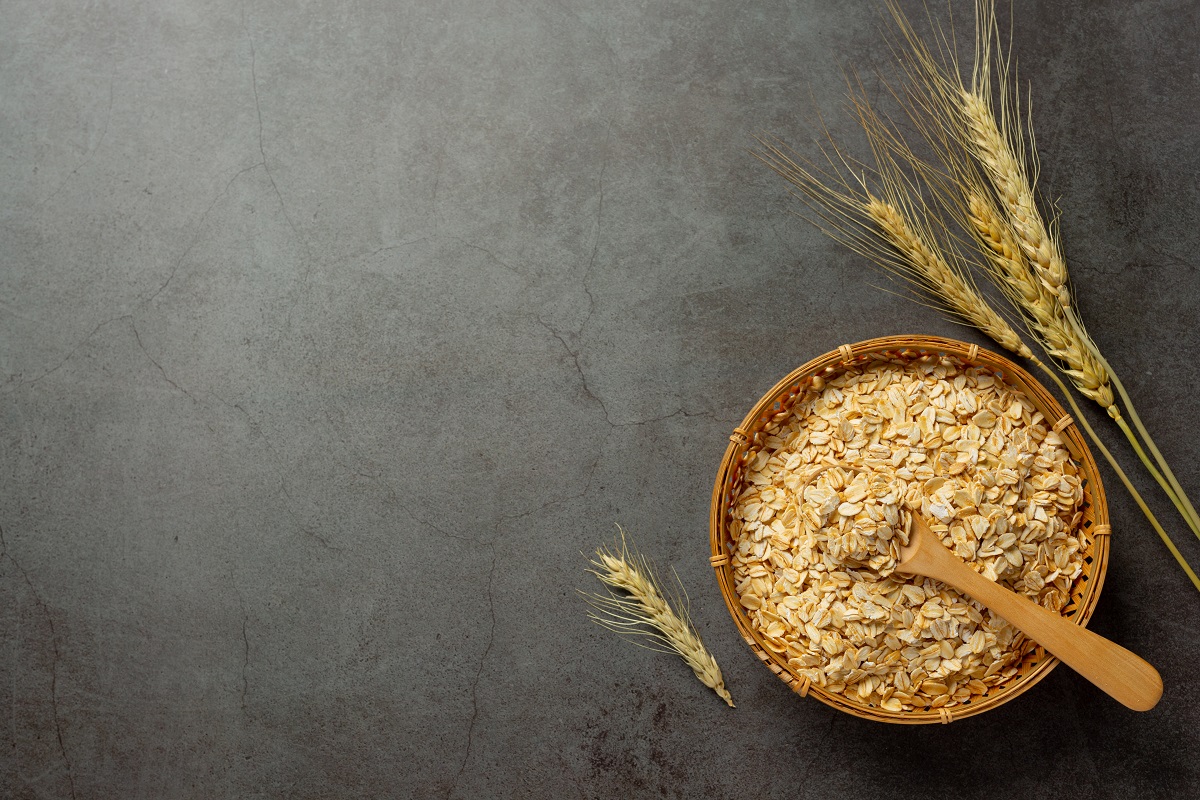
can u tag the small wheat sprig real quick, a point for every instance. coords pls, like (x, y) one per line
(636, 606)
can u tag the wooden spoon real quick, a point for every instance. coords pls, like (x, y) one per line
(1120, 673)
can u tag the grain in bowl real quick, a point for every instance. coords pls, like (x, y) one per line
(824, 508)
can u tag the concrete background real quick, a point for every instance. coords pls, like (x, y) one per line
(332, 333)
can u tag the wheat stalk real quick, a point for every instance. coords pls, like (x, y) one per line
(642, 610)
(1112, 462)
(1021, 255)
(998, 146)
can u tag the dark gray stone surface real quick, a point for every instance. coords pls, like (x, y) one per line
(332, 333)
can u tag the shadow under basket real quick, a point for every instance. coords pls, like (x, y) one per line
(776, 406)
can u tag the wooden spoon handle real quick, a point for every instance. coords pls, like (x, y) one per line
(1120, 673)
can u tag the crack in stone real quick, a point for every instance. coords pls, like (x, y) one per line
(579, 369)
(377, 251)
(587, 273)
(374, 477)
(262, 150)
(679, 412)
(478, 675)
(58, 732)
(1174, 259)
(154, 294)
(490, 255)
(304, 527)
(426, 523)
(608, 417)
(62, 747)
(587, 487)
(162, 371)
(245, 660)
(69, 355)
(610, 53)
(283, 488)
(379, 479)
(199, 231)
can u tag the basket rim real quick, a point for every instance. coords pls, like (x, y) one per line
(770, 407)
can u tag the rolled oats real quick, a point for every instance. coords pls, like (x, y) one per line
(825, 508)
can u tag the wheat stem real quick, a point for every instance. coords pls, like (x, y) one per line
(1112, 462)
(1150, 467)
(1166, 478)
(644, 610)
(1178, 496)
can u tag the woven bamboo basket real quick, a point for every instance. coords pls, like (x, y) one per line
(776, 406)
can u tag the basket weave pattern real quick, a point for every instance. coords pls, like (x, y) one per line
(776, 406)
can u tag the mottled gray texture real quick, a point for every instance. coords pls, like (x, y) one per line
(331, 333)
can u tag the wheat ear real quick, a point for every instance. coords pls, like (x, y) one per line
(1007, 266)
(937, 276)
(636, 606)
(892, 231)
(998, 145)
(1015, 191)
